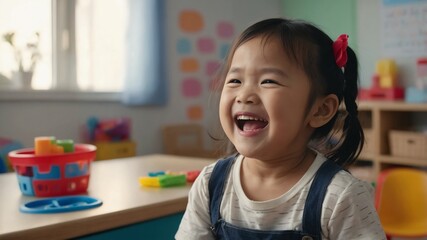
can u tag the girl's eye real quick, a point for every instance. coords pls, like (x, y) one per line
(233, 81)
(268, 81)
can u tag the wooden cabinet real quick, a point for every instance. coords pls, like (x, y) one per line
(378, 118)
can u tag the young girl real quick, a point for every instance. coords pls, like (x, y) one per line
(284, 81)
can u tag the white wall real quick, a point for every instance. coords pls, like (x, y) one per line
(368, 33)
(24, 120)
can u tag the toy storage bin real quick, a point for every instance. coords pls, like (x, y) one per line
(408, 144)
(53, 175)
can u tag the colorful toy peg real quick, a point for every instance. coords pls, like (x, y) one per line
(92, 123)
(43, 145)
(149, 181)
(66, 144)
(168, 178)
(163, 181)
(115, 129)
(49, 145)
(168, 172)
(155, 174)
(192, 175)
(172, 180)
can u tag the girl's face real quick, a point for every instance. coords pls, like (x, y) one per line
(263, 102)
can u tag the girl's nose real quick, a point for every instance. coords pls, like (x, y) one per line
(247, 97)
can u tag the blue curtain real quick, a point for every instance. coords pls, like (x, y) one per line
(145, 77)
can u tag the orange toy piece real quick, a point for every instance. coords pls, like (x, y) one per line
(46, 145)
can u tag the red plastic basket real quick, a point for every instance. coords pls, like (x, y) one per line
(53, 175)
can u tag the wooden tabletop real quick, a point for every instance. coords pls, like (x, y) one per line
(115, 182)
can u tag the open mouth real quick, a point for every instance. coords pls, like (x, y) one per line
(250, 123)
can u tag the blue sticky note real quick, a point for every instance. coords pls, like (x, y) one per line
(183, 46)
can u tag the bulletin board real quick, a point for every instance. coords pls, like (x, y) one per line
(200, 53)
(201, 33)
(404, 28)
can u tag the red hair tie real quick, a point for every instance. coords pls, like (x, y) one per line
(340, 50)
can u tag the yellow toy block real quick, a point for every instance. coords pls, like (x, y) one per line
(387, 82)
(386, 67)
(149, 181)
(163, 181)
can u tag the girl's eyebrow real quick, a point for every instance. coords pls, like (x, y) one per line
(273, 70)
(235, 70)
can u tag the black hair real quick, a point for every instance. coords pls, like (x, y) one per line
(311, 49)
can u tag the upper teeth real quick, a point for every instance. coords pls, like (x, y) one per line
(244, 117)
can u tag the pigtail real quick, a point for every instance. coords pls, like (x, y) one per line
(353, 137)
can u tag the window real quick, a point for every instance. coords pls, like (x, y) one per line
(100, 44)
(71, 45)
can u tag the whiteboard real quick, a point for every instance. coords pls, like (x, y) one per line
(404, 28)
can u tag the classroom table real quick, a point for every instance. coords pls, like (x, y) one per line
(125, 202)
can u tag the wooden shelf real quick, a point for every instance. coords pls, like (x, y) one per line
(379, 117)
(403, 161)
(392, 106)
(366, 156)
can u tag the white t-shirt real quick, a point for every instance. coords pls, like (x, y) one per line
(348, 211)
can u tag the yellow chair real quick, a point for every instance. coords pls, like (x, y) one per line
(401, 202)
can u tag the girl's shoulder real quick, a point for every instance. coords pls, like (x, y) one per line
(344, 184)
(344, 180)
(346, 187)
(349, 210)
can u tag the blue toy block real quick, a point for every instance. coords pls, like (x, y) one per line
(415, 95)
(26, 185)
(74, 170)
(3, 167)
(155, 174)
(54, 173)
(5, 148)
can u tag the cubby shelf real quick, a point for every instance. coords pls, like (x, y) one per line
(378, 118)
(386, 159)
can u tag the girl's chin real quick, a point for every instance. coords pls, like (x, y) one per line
(247, 150)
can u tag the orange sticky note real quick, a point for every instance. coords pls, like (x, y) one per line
(190, 21)
(195, 112)
(189, 65)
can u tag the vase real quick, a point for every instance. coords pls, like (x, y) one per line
(24, 78)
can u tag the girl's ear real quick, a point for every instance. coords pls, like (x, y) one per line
(323, 110)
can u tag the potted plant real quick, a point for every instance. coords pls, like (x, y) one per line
(26, 58)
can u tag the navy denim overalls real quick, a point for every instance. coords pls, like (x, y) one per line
(311, 228)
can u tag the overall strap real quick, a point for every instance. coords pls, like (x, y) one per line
(216, 186)
(311, 220)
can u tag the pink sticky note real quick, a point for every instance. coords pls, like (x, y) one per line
(225, 29)
(191, 87)
(206, 45)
